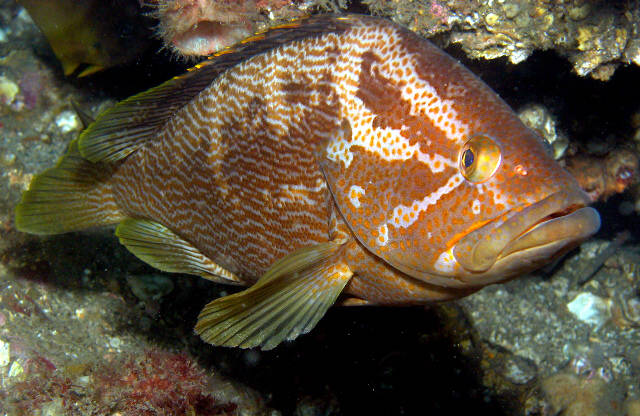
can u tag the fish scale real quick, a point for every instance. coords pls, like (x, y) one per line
(233, 226)
(334, 158)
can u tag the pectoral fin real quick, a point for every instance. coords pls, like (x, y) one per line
(288, 300)
(160, 247)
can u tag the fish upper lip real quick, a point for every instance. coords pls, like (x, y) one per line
(563, 215)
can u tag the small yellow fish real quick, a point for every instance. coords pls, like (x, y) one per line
(337, 156)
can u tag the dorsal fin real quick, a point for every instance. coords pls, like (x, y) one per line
(123, 128)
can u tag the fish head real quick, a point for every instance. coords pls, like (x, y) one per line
(521, 210)
(438, 177)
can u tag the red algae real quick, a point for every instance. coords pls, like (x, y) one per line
(156, 383)
(162, 383)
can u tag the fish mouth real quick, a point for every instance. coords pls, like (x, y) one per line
(529, 236)
(208, 37)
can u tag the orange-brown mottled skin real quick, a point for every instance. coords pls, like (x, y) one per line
(344, 129)
(238, 171)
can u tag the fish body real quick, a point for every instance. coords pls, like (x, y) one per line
(340, 155)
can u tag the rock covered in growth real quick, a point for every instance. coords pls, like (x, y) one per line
(203, 27)
(154, 383)
(573, 329)
(601, 172)
(595, 36)
(604, 176)
(540, 119)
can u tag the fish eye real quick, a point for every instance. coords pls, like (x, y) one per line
(467, 158)
(480, 158)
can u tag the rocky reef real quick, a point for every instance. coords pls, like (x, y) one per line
(596, 36)
(85, 328)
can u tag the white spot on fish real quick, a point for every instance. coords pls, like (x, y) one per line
(475, 207)
(383, 235)
(355, 192)
(290, 193)
(340, 150)
(446, 262)
(386, 143)
(430, 160)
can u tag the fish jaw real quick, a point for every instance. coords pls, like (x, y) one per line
(203, 27)
(526, 237)
(209, 37)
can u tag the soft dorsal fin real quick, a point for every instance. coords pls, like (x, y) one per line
(123, 128)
